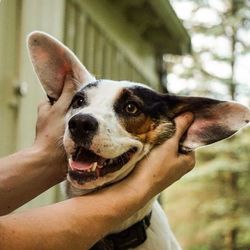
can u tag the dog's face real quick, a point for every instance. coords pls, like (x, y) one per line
(111, 125)
(106, 134)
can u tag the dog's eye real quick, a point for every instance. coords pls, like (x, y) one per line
(132, 108)
(78, 102)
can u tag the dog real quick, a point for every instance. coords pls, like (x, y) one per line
(111, 125)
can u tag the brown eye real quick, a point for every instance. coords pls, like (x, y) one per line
(132, 109)
(78, 102)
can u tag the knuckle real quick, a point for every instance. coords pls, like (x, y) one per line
(189, 162)
(42, 110)
(41, 105)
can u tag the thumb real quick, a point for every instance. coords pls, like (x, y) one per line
(182, 122)
(69, 89)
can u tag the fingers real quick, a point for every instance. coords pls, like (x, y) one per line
(68, 91)
(43, 106)
(182, 122)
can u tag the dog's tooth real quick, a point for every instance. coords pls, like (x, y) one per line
(94, 166)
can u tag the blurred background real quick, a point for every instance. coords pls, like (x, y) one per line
(190, 47)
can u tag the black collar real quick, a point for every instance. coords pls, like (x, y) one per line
(129, 238)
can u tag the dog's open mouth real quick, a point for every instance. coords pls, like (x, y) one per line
(87, 166)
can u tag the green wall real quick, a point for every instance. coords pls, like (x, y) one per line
(128, 57)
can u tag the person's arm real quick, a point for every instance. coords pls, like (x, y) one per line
(23, 176)
(79, 222)
(29, 172)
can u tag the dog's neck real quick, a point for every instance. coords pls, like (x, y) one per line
(139, 215)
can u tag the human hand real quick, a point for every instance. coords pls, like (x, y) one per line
(50, 128)
(164, 165)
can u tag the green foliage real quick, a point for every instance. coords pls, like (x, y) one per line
(210, 207)
(213, 200)
(225, 44)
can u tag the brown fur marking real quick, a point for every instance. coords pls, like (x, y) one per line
(142, 126)
(148, 131)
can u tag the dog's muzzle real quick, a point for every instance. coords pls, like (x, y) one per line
(82, 128)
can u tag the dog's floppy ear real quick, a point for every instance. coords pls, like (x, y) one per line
(52, 61)
(214, 120)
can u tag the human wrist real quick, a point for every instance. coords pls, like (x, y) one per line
(127, 197)
(142, 182)
(43, 158)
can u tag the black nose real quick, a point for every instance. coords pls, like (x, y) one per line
(82, 127)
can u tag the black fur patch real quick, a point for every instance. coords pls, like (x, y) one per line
(212, 133)
(78, 95)
(151, 123)
(197, 105)
(51, 100)
(90, 85)
(149, 102)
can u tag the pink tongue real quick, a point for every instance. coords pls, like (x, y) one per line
(80, 165)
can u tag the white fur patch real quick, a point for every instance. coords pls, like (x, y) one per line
(112, 139)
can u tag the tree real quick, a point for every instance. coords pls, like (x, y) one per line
(220, 36)
(215, 198)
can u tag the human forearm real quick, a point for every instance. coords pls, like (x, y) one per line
(49, 227)
(81, 221)
(23, 176)
(73, 224)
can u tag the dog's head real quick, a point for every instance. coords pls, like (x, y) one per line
(111, 125)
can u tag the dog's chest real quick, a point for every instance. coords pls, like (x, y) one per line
(158, 234)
